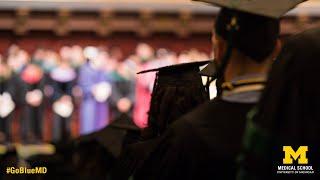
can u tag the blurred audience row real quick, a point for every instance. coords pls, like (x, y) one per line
(97, 79)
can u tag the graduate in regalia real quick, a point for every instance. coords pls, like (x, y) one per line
(144, 53)
(287, 114)
(96, 89)
(123, 93)
(180, 81)
(31, 89)
(204, 143)
(63, 78)
(110, 140)
(7, 101)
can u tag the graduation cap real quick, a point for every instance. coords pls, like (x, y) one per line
(235, 21)
(177, 90)
(182, 68)
(268, 8)
(179, 73)
(209, 69)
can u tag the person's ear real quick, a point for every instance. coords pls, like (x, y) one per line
(219, 47)
(277, 49)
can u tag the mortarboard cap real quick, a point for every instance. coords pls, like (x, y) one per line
(243, 21)
(175, 74)
(177, 67)
(209, 69)
(268, 8)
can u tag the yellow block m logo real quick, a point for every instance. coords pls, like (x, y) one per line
(290, 155)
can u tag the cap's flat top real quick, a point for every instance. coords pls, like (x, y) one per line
(209, 70)
(269, 8)
(177, 67)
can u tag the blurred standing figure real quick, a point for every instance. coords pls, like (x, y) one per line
(76, 57)
(31, 99)
(15, 63)
(145, 53)
(94, 113)
(123, 93)
(7, 104)
(123, 85)
(63, 78)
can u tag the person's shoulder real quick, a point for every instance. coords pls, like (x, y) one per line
(202, 112)
(211, 116)
(185, 124)
(216, 108)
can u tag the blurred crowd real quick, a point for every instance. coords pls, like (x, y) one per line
(98, 80)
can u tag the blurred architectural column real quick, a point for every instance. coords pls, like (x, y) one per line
(145, 29)
(21, 21)
(183, 29)
(104, 27)
(62, 26)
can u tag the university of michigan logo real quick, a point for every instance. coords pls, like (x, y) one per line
(295, 161)
(290, 155)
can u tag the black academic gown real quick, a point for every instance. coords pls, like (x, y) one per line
(7, 86)
(287, 114)
(115, 136)
(31, 117)
(118, 135)
(201, 145)
(121, 88)
(61, 125)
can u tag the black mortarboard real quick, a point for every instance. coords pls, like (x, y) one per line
(239, 16)
(209, 69)
(113, 136)
(177, 90)
(268, 8)
(179, 73)
(178, 69)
